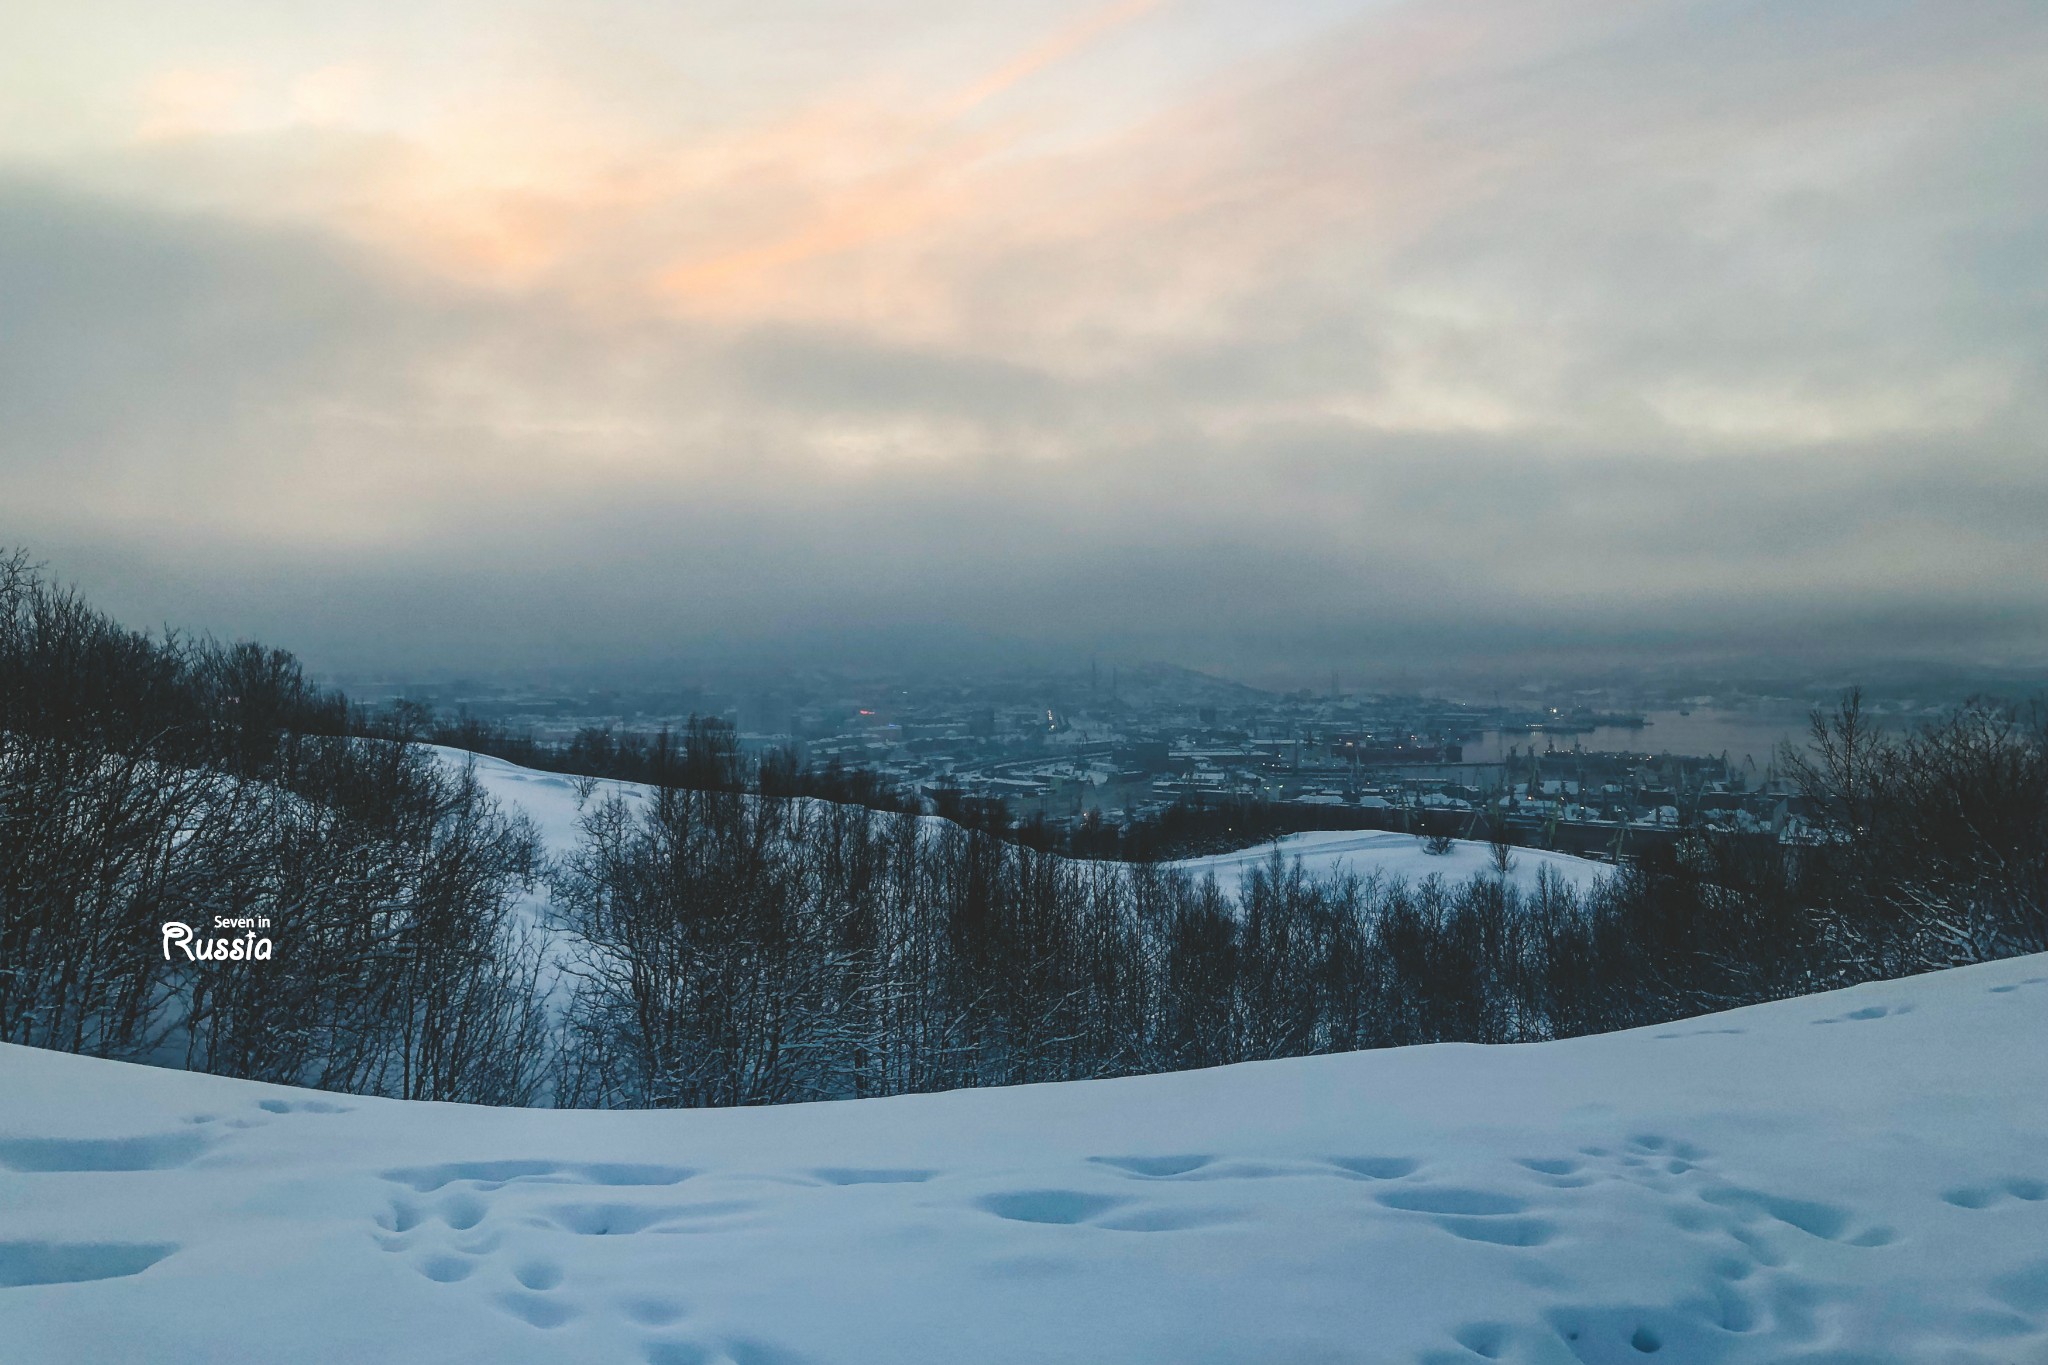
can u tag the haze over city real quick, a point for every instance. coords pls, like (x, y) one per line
(1262, 339)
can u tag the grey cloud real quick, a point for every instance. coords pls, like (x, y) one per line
(538, 486)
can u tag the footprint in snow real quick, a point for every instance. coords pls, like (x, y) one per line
(302, 1107)
(445, 1268)
(450, 1221)
(2025, 1189)
(538, 1274)
(538, 1310)
(1867, 1012)
(1060, 1207)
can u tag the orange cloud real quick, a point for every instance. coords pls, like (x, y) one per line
(187, 100)
(914, 183)
(1068, 42)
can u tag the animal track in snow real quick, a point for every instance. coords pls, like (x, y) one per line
(461, 1211)
(443, 1268)
(1506, 1232)
(1622, 1334)
(1488, 1340)
(1115, 1213)
(302, 1107)
(1812, 1217)
(401, 1215)
(1658, 1143)
(538, 1273)
(490, 1175)
(1471, 1214)
(1048, 1206)
(1867, 1012)
(1748, 1283)
(2023, 1188)
(436, 1224)
(1200, 1167)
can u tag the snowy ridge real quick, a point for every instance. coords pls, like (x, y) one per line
(1392, 855)
(1860, 1176)
(551, 801)
(554, 802)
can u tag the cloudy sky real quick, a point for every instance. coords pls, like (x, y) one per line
(1270, 337)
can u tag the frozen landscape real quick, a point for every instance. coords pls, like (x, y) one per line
(944, 513)
(1853, 1177)
(554, 802)
(1393, 855)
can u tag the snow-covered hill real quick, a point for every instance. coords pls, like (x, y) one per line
(1385, 853)
(1855, 1177)
(552, 801)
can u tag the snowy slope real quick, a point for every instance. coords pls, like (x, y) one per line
(551, 801)
(1392, 855)
(1855, 1177)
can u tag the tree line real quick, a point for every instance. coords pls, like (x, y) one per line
(730, 935)
(145, 781)
(1189, 827)
(734, 951)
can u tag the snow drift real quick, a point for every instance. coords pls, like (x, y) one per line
(1859, 1176)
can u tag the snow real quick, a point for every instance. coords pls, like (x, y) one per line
(1852, 1177)
(551, 800)
(1393, 855)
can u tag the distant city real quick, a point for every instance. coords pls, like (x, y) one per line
(1596, 770)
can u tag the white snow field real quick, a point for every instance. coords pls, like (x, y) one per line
(553, 801)
(1395, 856)
(1856, 1177)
